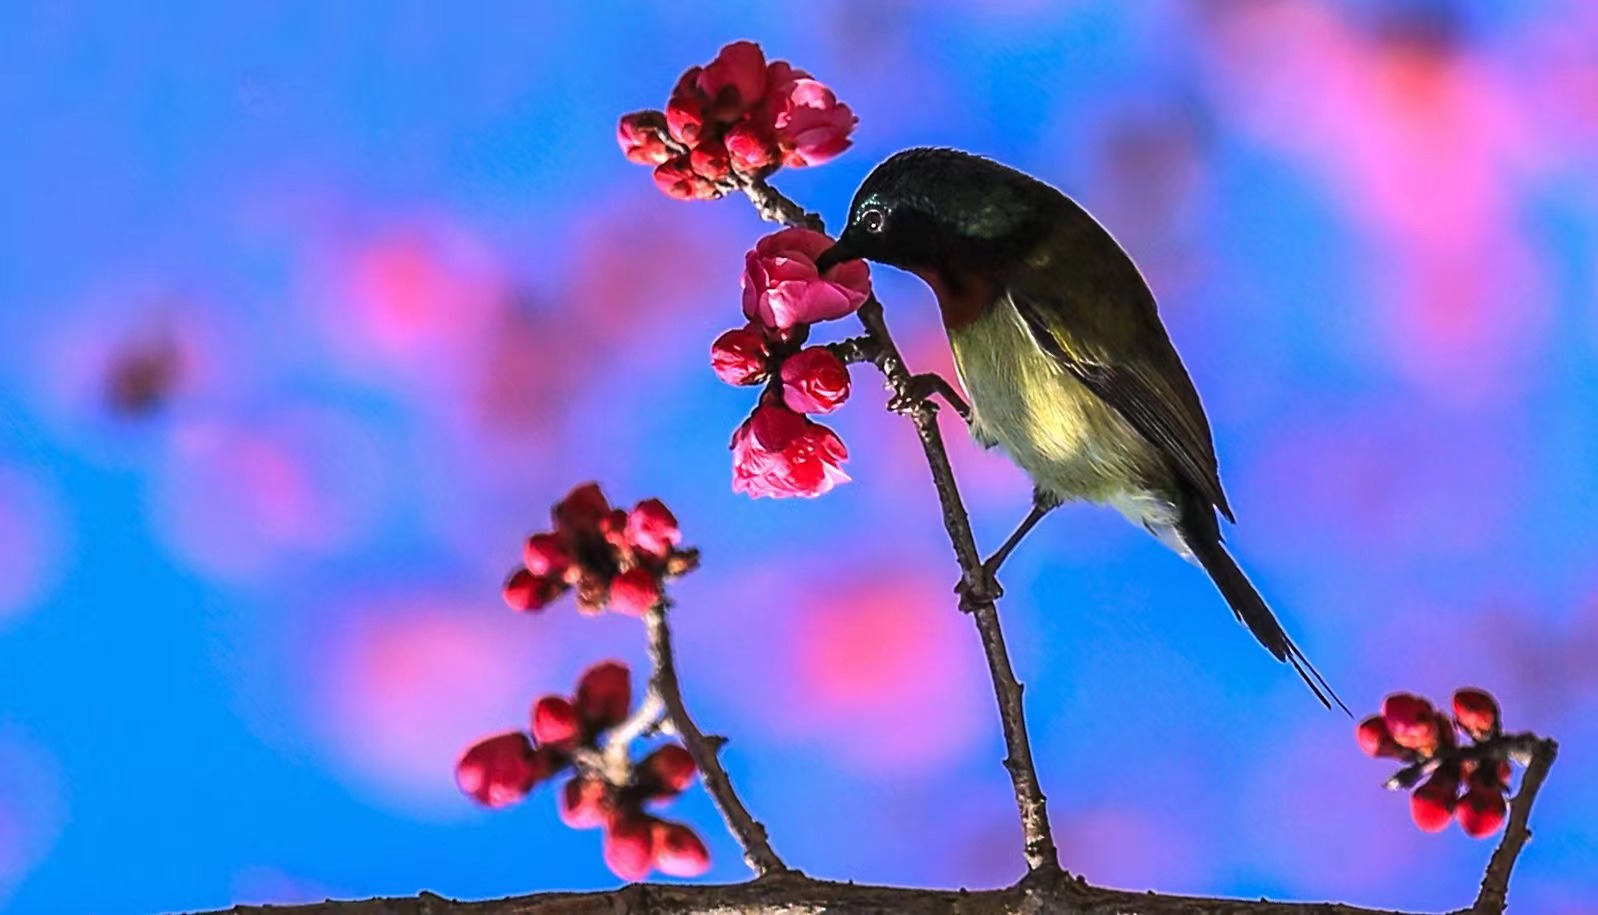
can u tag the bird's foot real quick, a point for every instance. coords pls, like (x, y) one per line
(979, 588)
(916, 390)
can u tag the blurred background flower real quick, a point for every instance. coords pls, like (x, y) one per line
(307, 317)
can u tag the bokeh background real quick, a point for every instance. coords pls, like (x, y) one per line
(308, 312)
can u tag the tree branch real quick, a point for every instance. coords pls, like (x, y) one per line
(706, 751)
(794, 894)
(1041, 855)
(1494, 895)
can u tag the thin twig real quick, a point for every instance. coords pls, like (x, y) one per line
(1518, 747)
(1041, 856)
(856, 349)
(706, 752)
(1494, 895)
(617, 758)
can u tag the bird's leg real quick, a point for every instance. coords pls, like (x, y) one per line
(918, 389)
(1042, 504)
(986, 586)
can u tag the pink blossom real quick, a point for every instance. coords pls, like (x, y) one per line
(678, 851)
(734, 82)
(685, 109)
(739, 356)
(635, 592)
(782, 289)
(500, 770)
(812, 126)
(751, 146)
(528, 592)
(604, 695)
(585, 803)
(667, 771)
(579, 513)
(652, 528)
(677, 179)
(545, 555)
(814, 380)
(642, 137)
(555, 723)
(709, 161)
(629, 846)
(779, 453)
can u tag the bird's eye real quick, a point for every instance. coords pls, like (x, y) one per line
(873, 220)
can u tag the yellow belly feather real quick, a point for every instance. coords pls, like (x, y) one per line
(1068, 440)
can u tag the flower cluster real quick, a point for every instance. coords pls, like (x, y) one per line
(778, 452)
(607, 790)
(1464, 782)
(612, 558)
(737, 114)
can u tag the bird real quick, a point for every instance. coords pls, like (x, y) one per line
(1058, 343)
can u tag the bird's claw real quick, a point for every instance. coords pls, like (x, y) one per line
(917, 390)
(912, 393)
(979, 588)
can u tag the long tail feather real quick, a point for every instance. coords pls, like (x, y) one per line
(1205, 542)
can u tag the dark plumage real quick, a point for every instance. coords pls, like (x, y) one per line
(1059, 345)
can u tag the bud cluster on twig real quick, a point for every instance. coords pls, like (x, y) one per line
(612, 558)
(606, 790)
(1459, 767)
(736, 116)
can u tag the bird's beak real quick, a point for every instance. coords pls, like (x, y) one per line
(841, 252)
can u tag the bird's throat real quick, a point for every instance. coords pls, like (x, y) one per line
(963, 295)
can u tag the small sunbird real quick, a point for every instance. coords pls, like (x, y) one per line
(1060, 348)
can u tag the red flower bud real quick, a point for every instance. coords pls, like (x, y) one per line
(613, 527)
(635, 592)
(679, 851)
(1432, 804)
(604, 695)
(709, 161)
(734, 82)
(739, 356)
(1481, 811)
(526, 592)
(581, 510)
(1477, 713)
(1376, 740)
(652, 528)
(585, 803)
(669, 770)
(814, 380)
(642, 137)
(629, 847)
(500, 770)
(678, 180)
(1412, 722)
(555, 722)
(751, 147)
(779, 453)
(545, 556)
(685, 110)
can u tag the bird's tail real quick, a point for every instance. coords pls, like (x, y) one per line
(1204, 539)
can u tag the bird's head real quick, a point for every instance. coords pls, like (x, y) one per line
(924, 209)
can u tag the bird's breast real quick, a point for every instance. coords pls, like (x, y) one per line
(1066, 438)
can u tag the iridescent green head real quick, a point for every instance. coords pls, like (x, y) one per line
(925, 207)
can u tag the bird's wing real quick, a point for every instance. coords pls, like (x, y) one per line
(1087, 306)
